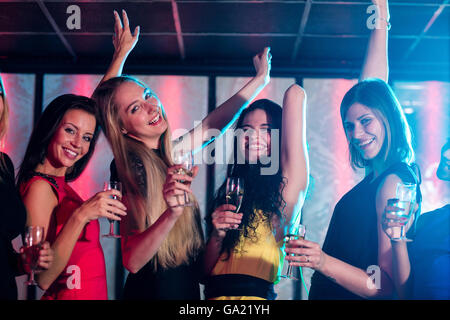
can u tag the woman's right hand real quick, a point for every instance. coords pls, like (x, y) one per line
(103, 205)
(225, 218)
(174, 189)
(123, 40)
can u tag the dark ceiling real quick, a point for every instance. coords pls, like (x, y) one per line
(308, 38)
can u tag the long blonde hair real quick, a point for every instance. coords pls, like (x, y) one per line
(4, 117)
(185, 239)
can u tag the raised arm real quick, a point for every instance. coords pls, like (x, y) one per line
(123, 42)
(376, 59)
(224, 115)
(294, 155)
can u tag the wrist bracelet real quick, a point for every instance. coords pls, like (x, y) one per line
(377, 24)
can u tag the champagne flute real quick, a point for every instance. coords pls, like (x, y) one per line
(234, 193)
(298, 234)
(184, 158)
(406, 195)
(109, 185)
(33, 239)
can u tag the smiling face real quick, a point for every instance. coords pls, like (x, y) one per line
(71, 141)
(364, 130)
(255, 143)
(140, 113)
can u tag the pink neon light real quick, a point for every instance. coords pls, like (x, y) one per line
(339, 145)
(433, 128)
(169, 93)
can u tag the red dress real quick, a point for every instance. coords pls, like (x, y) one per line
(84, 277)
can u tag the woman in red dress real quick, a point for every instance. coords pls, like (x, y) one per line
(59, 149)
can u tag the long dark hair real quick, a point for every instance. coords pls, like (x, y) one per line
(378, 96)
(262, 192)
(46, 128)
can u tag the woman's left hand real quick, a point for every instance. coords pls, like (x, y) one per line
(262, 63)
(305, 254)
(123, 40)
(46, 255)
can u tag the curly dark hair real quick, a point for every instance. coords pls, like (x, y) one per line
(263, 192)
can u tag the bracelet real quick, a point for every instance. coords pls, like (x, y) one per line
(377, 23)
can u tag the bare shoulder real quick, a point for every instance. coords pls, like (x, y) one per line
(389, 183)
(40, 192)
(387, 190)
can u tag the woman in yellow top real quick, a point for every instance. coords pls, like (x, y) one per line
(245, 264)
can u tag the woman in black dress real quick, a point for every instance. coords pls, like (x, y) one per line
(356, 260)
(12, 216)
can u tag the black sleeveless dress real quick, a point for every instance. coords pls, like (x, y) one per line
(179, 283)
(352, 235)
(12, 222)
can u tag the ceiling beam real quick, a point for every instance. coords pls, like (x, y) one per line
(421, 36)
(56, 29)
(225, 34)
(176, 20)
(301, 30)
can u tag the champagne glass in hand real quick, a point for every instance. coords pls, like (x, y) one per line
(109, 186)
(298, 234)
(33, 240)
(185, 159)
(406, 195)
(234, 193)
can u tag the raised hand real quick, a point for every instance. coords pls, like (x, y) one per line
(123, 40)
(262, 63)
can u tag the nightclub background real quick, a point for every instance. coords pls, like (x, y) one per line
(197, 54)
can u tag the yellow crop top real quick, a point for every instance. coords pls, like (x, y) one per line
(261, 257)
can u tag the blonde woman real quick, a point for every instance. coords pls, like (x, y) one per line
(161, 241)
